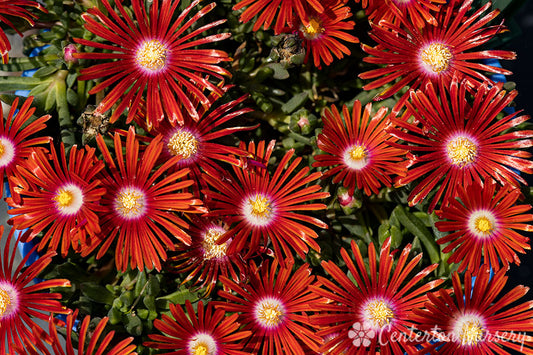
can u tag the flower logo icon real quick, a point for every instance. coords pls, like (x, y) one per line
(361, 334)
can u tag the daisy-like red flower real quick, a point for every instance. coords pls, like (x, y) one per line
(14, 143)
(357, 149)
(483, 221)
(435, 53)
(89, 341)
(286, 12)
(418, 12)
(21, 300)
(372, 307)
(478, 319)
(322, 31)
(58, 198)
(152, 52)
(258, 206)
(197, 142)
(456, 143)
(139, 210)
(207, 331)
(204, 260)
(17, 9)
(274, 306)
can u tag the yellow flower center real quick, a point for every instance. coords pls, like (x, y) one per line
(183, 143)
(64, 198)
(357, 153)
(437, 57)
(471, 332)
(462, 151)
(5, 301)
(151, 55)
(211, 248)
(130, 203)
(2, 149)
(201, 349)
(313, 29)
(483, 225)
(378, 313)
(260, 207)
(270, 313)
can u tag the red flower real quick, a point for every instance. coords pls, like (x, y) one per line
(260, 207)
(59, 197)
(140, 206)
(373, 311)
(479, 320)
(88, 340)
(357, 149)
(14, 143)
(322, 31)
(207, 331)
(198, 142)
(417, 12)
(151, 53)
(273, 306)
(16, 9)
(267, 11)
(21, 300)
(434, 54)
(205, 260)
(458, 143)
(483, 221)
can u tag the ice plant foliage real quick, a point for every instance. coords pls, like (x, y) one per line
(15, 9)
(478, 318)
(205, 332)
(154, 57)
(59, 197)
(357, 149)
(264, 208)
(274, 305)
(435, 53)
(20, 300)
(455, 143)
(139, 210)
(483, 221)
(379, 298)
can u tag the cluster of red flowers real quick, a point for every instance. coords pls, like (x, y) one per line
(171, 194)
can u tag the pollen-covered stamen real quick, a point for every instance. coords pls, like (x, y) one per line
(356, 157)
(211, 248)
(313, 29)
(260, 206)
(202, 344)
(378, 313)
(269, 312)
(64, 198)
(151, 55)
(129, 203)
(469, 330)
(5, 302)
(483, 225)
(461, 151)
(436, 57)
(68, 199)
(7, 151)
(183, 143)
